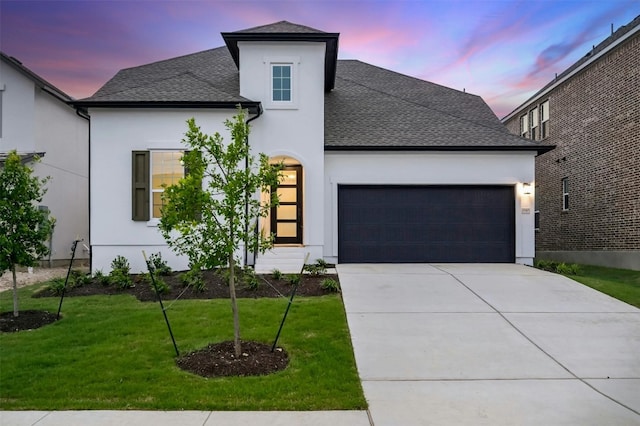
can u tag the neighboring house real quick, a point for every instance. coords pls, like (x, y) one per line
(36, 119)
(588, 188)
(381, 167)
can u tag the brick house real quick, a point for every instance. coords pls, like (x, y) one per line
(587, 190)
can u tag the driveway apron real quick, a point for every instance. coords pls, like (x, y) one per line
(490, 344)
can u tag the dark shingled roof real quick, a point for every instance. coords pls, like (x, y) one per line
(376, 108)
(281, 27)
(208, 76)
(369, 107)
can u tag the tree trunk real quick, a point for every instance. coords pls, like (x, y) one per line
(15, 291)
(234, 306)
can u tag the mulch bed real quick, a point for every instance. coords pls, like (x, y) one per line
(26, 320)
(219, 360)
(216, 288)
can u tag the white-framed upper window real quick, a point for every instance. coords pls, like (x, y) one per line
(534, 123)
(565, 194)
(166, 169)
(544, 114)
(281, 84)
(524, 125)
(281, 78)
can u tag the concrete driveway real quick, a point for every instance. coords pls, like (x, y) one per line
(498, 344)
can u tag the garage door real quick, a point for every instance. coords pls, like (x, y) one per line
(403, 224)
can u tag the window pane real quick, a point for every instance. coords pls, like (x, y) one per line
(277, 95)
(286, 95)
(286, 83)
(286, 71)
(277, 71)
(545, 110)
(166, 168)
(157, 204)
(277, 84)
(287, 195)
(286, 229)
(288, 177)
(287, 212)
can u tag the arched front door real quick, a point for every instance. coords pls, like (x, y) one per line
(286, 218)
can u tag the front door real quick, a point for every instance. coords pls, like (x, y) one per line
(286, 218)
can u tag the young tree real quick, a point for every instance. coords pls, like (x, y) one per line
(208, 224)
(23, 227)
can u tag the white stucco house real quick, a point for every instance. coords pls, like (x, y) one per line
(36, 119)
(381, 167)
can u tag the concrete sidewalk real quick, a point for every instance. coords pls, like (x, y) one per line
(490, 345)
(183, 418)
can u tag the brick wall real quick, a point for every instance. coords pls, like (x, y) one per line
(595, 123)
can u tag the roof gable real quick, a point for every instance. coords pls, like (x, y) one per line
(286, 31)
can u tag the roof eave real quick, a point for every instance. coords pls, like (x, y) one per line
(252, 106)
(330, 39)
(538, 149)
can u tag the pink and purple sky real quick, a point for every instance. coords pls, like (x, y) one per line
(502, 50)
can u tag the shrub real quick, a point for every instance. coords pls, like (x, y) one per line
(101, 278)
(250, 279)
(193, 278)
(78, 278)
(557, 267)
(121, 263)
(330, 284)
(277, 274)
(119, 279)
(161, 286)
(159, 265)
(56, 286)
(318, 268)
(293, 279)
(567, 269)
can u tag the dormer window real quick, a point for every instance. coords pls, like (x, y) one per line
(281, 82)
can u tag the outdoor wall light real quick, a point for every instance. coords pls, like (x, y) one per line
(526, 188)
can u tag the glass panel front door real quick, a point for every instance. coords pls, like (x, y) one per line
(286, 219)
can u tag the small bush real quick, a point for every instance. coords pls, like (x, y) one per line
(79, 278)
(101, 278)
(56, 286)
(567, 269)
(293, 279)
(316, 269)
(330, 284)
(193, 278)
(161, 286)
(159, 265)
(277, 274)
(323, 263)
(120, 279)
(121, 263)
(250, 279)
(557, 267)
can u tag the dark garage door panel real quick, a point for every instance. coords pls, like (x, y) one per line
(402, 224)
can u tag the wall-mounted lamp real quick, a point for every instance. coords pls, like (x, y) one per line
(526, 188)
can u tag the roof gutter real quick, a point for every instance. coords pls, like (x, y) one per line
(252, 106)
(538, 149)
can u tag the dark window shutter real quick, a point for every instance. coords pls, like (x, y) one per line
(140, 185)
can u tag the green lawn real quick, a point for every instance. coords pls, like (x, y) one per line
(114, 352)
(623, 284)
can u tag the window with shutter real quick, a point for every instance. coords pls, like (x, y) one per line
(140, 186)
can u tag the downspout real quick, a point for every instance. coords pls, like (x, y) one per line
(80, 112)
(246, 201)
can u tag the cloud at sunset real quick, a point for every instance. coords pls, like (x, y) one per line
(501, 50)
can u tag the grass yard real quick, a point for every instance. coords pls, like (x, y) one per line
(115, 353)
(623, 284)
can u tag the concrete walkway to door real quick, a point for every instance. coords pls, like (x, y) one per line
(490, 344)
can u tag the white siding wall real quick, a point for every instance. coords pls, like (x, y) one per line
(115, 134)
(440, 168)
(34, 120)
(297, 132)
